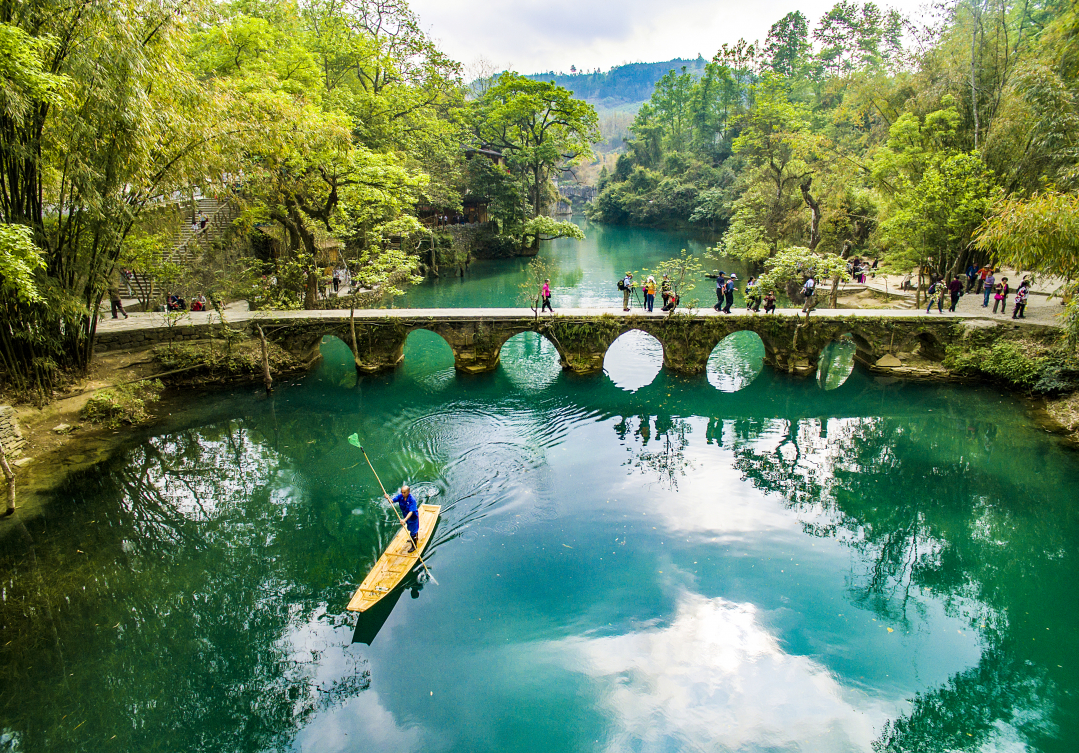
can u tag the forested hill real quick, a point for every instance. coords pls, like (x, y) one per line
(623, 84)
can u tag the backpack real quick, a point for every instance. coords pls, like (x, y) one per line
(622, 284)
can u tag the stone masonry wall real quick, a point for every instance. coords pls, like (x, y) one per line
(10, 434)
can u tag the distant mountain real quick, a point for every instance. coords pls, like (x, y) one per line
(622, 84)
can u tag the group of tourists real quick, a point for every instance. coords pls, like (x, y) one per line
(176, 302)
(857, 269)
(726, 285)
(982, 281)
(941, 288)
(650, 287)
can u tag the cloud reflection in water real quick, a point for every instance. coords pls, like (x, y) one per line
(716, 679)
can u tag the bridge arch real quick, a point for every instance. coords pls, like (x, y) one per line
(530, 359)
(836, 362)
(429, 347)
(736, 361)
(634, 359)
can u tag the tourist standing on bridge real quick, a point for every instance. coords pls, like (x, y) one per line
(936, 293)
(753, 295)
(721, 284)
(665, 288)
(545, 293)
(982, 274)
(627, 289)
(955, 287)
(987, 284)
(728, 293)
(336, 279)
(650, 293)
(770, 302)
(809, 290)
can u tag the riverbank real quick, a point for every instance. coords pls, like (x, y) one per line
(60, 438)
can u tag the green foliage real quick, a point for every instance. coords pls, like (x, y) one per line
(544, 228)
(226, 360)
(1039, 233)
(20, 261)
(122, 405)
(538, 126)
(791, 267)
(684, 271)
(529, 292)
(1021, 363)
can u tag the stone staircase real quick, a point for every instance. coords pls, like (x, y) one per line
(189, 242)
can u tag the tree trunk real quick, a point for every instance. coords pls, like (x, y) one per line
(814, 208)
(835, 292)
(310, 297)
(266, 378)
(434, 259)
(977, 21)
(355, 346)
(10, 476)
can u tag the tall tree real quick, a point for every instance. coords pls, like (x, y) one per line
(539, 127)
(787, 45)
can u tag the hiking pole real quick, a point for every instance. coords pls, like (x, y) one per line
(354, 440)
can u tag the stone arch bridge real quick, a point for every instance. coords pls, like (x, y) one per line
(897, 342)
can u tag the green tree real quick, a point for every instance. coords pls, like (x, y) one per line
(789, 268)
(539, 127)
(100, 118)
(1040, 234)
(787, 46)
(530, 291)
(936, 195)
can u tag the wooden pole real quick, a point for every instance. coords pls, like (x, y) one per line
(10, 476)
(266, 378)
(355, 347)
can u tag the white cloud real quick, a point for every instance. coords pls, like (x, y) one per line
(716, 679)
(540, 35)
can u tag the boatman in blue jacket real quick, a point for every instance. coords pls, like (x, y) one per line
(410, 513)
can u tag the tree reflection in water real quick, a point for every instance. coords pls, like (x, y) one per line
(128, 589)
(959, 526)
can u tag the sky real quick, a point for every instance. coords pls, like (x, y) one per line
(536, 36)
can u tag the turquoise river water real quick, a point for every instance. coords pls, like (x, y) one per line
(632, 561)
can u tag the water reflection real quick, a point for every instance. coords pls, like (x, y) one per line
(794, 563)
(736, 361)
(949, 529)
(633, 360)
(836, 363)
(715, 678)
(530, 361)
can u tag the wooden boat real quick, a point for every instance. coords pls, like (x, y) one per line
(395, 563)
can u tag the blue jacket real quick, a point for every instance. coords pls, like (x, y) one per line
(408, 505)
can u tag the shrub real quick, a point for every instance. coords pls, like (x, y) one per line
(1018, 362)
(123, 404)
